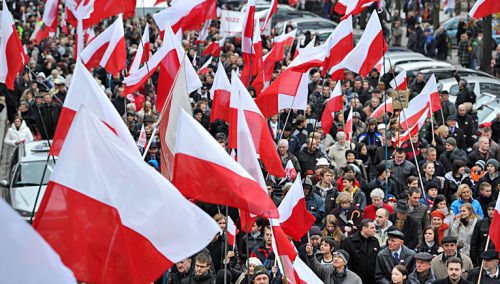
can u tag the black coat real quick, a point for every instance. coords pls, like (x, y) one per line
(386, 262)
(308, 160)
(362, 256)
(448, 281)
(459, 136)
(50, 117)
(410, 230)
(478, 240)
(252, 243)
(485, 279)
(448, 157)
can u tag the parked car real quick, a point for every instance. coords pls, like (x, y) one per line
(451, 26)
(487, 112)
(444, 73)
(485, 88)
(323, 35)
(398, 58)
(307, 24)
(25, 172)
(415, 67)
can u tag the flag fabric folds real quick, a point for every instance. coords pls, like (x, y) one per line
(334, 104)
(142, 53)
(483, 8)
(187, 14)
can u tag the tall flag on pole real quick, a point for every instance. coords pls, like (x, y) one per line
(483, 8)
(334, 105)
(186, 14)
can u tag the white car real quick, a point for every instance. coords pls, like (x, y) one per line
(421, 65)
(485, 88)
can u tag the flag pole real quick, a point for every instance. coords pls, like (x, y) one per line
(144, 53)
(248, 255)
(481, 270)
(225, 246)
(284, 273)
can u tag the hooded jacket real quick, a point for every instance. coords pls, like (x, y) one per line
(13, 134)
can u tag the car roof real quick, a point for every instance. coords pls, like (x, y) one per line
(462, 69)
(473, 79)
(419, 65)
(34, 151)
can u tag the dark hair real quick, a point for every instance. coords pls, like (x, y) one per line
(270, 183)
(439, 198)
(400, 150)
(457, 164)
(413, 190)
(349, 168)
(203, 257)
(349, 177)
(404, 271)
(454, 259)
(331, 242)
(324, 171)
(434, 230)
(411, 179)
(365, 222)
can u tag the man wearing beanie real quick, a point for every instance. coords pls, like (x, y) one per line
(337, 272)
(452, 153)
(260, 275)
(492, 177)
(480, 235)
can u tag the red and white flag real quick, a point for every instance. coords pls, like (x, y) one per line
(252, 59)
(273, 8)
(369, 50)
(430, 89)
(108, 49)
(383, 107)
(247, 26)
(285, 250)
(220, 95)
(179, 99)
(414, 128)
(89, 35)
(259, 129)
(204, 32)
(334, 105)
(143, 140)
(400, 82)
(448, 4)
(355, 7)
(50, 16)
(38, 34)
(23, 249)
(232, 231)
(483, 8)
(187, 14)
(227, 181)
(169, 57)
(84, 90)
(12, 55)
(495, 227)
(96, 10)
(341, 6)
(290, 171)
(339, 43)
(418, 106)
(295, 220)
(106, 222)
(142, 53)
(348, 126)
(204, 68)
(215, 47)
(305, 273)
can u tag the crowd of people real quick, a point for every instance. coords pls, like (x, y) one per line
(386, 211)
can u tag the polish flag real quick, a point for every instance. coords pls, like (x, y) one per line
(142, 53)
(339, 43)
(12, 55)
(220, 95)
(37, 35)
(295, 220)
(177, 100)
(143, 141)
(215, 47)
(418, 106)
(387, 105)
(414, 128)
(286, 265)
(305, 273)
(89, 36)
(204, 32)
(399, 83)
(232, 231)
(262, 139)
(334, 105)
(204, 68)
(355, 7)
(85, 91)
(277, 53)
(253, 59)
(273, 8)
(96, 10)
(107, 50)
(187, 14)
(431, 90)
(168, 57)
(483, 8)
(341, 6)
(50, 16)
(179, 34)
(348, 127)
(281, 245)
(228, 182)
(106, 222)
(290, 171)
(369, 50)
(23, 249)
(247, 27)
(495, 227)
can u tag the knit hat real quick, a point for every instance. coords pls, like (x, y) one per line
(491, 205)
(430, 185)
(314, 231)
(481, 163)
(380, 168)
(438, 213)
(391, 197)
(255, 261)
(350, 152)
(452, 142)
(493, 162)
(342, 253)
(258, 270)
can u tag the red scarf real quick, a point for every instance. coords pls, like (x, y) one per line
(441, 230)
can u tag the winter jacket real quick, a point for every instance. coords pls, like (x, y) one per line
(308, 160)
(476, 155)
(421, 214)
(485, 278)
(394, 187)
(252, 243)
(410, 230)
(315, 205)
(207, 278)
(386, 262)
(337, 152)
(439, 265)
(448, 157)
(413, 278)
(362, 256)
(353, 213)
(13, 134)
(451, 185)
(370, 211)
(328, 274)
(463, 234)
(493, 182)
(290, 157)
(403, 171)
(359, 199)
(478, 240)
(329, 196)
(261, 252)
(455, 206)
(424, 247)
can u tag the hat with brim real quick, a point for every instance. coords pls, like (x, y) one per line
(402, 207)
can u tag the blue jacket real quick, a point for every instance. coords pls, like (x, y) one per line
(316, 205)
(455, 206)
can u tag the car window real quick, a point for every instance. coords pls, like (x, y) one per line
(453, 26)
(483, 112)
(327, 25)
(471, 86)
(454, 90)
(13, 161)
(489, 88)
(30, 173)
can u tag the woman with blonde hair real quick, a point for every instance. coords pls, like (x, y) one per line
(439, 141)
(463, 226)
(464, 195)
(332, 229)
(348, 216)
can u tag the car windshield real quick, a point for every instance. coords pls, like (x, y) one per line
(30, 173)
(484, 112)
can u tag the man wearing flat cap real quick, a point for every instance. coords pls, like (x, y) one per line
(491, 269)
(423, 273)
(405, 223)
(335, 273)
(449, 245)
(395, 253)
(455, 132)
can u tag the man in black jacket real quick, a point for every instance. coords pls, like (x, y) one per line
(480, 235)
(464, 94)
(363, 248)
(454, 269)
(452, 154)
(202, 273)
(309, 156)
(395, 253)
(406, 224)
(455, 132)
(490, 268)
(465, 123)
